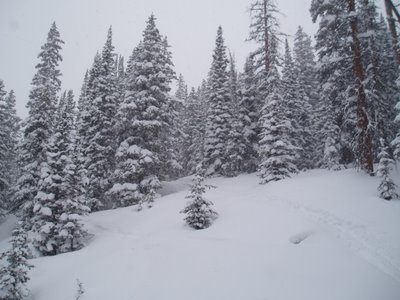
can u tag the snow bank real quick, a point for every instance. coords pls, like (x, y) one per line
(320, 235)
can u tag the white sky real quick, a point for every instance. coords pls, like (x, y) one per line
(190, 26)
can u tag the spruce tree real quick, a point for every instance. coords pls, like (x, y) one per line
(277, 152)
(219, 116)
(57, 205)
(249, 114)
(336, 89)
(199, 214)
(386, 188)
(9, 135)
(39, 124)
(14, 270)
(306, 77)
(295, 109)
(100, 151)
(380, 73)
(194, 127)
(142, 156)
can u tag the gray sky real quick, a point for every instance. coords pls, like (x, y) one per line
(190, 26)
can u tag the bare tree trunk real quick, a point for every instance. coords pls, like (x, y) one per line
(364, 139)
(392, 27)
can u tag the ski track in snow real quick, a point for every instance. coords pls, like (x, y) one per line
(353, 234)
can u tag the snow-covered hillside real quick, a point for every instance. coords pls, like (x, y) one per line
(320, 235)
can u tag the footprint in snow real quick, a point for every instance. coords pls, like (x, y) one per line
(299, 237)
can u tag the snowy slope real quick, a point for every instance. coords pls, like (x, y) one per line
(320, 235)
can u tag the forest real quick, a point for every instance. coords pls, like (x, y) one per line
(326, 102)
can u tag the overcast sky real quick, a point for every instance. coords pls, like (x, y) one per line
(190, 26)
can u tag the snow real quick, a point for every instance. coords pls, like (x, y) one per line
(319, 235)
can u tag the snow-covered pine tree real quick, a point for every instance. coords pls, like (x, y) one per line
(145, 121)
(14, 270)
(264, 25)
(380, 73)
(277, 151)
(100, 150)
(386, 188)
(83, 124)
(237, 143)
(336, 89)
(306, 76)
(293, 95)
(199, 214)
(57, 206)
(194, 125)
(39, 124)
(219, 116)
(4, 136)
(182, 89)
(250, 107)
(9, 135)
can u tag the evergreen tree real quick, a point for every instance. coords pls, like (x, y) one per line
(293, 95)
(380, 73)
(306, 77)
(100, 151)
(264, 28)
(386, 188)
(199, 214)
(83, 126)
(219, 116)
(237, 142)
(40, 123)
(57, 205)
(142, 156)
(182, 90)
(250, 107)
(9, 135)
(194, 125)
(277, 152)
(14, 271)
(337, 90)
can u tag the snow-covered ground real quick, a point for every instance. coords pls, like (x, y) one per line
(320, 235)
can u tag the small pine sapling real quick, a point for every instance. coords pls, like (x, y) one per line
(199, 215)
(387, 188)
(15, 267)
(80, 291)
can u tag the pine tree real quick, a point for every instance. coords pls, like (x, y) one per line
(380, 73)
(237, 142)
(194, 129)
(83, 126)
(386, 188)
(337, 89)
(293, 95)
(277, 152)
(14, 271)
(100, 151)
(40, 123)
(9, 135)
(219, 117)
(143, 155)
(306, 77)
(182, 90)
(264, 28)
(198, 210)
(57, 205)
(250, 107)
